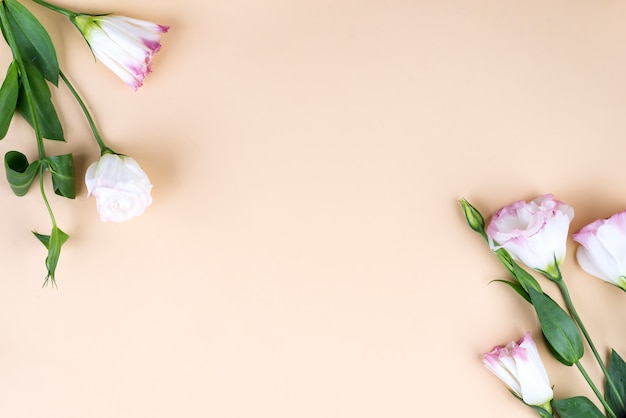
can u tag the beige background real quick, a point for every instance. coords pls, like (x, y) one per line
(305, 255)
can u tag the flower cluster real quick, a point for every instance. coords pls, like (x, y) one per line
(127, 47)
(535, 234)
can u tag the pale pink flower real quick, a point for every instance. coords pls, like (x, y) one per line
(603, 249)
(534, 233)
(123, 44)
(519, 366)
(121, 188)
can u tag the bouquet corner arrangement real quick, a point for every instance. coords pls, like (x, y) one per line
(126, 46)
(529, 239)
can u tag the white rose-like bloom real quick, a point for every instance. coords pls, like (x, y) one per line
(121, 187)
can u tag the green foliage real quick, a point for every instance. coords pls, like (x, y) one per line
(35, 61)
(525, 279)
(33, 42)
(47, 118)
(62, 169)
(518, 289)
(53, 243)
(558, 328)
(20, 174)
(25, 89)
(576, 407)
(617, 372)
(8, 98)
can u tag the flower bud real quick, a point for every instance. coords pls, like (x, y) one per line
(474, 219)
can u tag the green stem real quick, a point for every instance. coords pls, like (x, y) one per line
(103, 147)
(4, 20)
(45, 199)
(572, 310)
(595, 390)
(57, 9)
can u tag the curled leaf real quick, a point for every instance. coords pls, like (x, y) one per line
(20, 174)
(62, 170)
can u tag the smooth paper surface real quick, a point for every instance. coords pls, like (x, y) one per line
(305, 255)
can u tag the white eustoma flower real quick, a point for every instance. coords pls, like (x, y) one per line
(121, 187)
(123, 44)
(603, 249)
(519, 366)
(534, 233)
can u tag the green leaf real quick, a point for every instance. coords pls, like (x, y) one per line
(556, 355)
(20, 174)
(558, 327)
(576, 407)
(53, 243)
(617, 372)
(522, 276)
(46, 114)
(45, 239)
(8, 98)
(33, 41)
(517, 287)
(62, 169)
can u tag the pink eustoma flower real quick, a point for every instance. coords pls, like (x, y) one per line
(123, 44)
(519, 366)
(534, 233)
(603, 249)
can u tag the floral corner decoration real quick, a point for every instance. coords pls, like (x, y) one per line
(535, 234)
(127, 47)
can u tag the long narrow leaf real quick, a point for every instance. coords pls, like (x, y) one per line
(8, 98)
(558, 327)
(518, 289)
(617, 371)
(47, 117)
(33, 41)
(525, 279)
